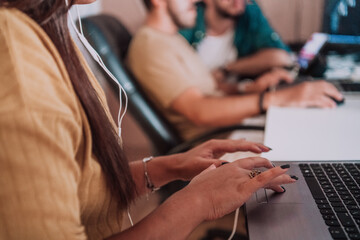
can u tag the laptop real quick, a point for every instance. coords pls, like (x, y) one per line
(343, 70)
(323, 148)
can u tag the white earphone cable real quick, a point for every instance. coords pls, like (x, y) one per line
(235, 224)
(98, 59)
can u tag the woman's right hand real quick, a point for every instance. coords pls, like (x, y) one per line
(222, 190)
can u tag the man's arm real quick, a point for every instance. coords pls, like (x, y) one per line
(215, 111)
(265, 50)
(260, 62)
(222, 111)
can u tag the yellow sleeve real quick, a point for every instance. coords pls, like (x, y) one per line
(39, 135)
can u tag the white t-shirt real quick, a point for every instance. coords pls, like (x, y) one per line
(217, 51)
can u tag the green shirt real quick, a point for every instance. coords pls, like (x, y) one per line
(252, 31)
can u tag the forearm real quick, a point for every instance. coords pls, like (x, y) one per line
(224, 111)
(260, 62)
(175, 219)
(161, 170)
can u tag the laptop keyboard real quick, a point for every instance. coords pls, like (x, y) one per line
(335, 188)
(350, 86)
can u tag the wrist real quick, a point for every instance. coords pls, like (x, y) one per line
(268, 100)
(262, 109)
(176, 168)
(148, 182)
(163, 170)
(198, 205)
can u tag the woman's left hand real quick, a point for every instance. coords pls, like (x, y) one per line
(194, 161)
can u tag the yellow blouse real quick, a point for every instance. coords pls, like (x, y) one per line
(51, 186)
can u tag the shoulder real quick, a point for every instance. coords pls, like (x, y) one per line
(252, 19)
(16, 28)
(148, 37)
(33, 74)
(253, 10)
(150, 44)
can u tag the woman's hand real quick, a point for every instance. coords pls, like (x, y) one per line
(221, 190)
(213, 193)
(191, 163)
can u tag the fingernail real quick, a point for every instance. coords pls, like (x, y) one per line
(283, 188)
(285, 166)
(223, 163)
(269, 148)
(294, 177)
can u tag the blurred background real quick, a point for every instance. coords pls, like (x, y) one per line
(294, 20)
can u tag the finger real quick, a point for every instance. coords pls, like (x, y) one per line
(265, 178)
(254, 162)
(222, 146)
(286, 77)
(331, 91)
(327, 102)
(321, 102)
(283, 179)
(210, 168)
(277, 188)
(283, 75)
(263, 147)
(219, 163)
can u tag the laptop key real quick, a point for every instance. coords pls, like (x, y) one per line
(349, 202)
(346, 219)
(334, 199)
(326, 212)
(354, 191)
(340, 209)
(314, 188)
(332, 223)
(351, 230)
(329, 217)
(324, 206)
(303, 165)
(353, 207)
(321, 201)
(337, 204)
(354, 236)
(355, 213)
(337, 233)
(357, 221)
(346, 197)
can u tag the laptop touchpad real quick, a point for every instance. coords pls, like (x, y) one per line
(295, 193)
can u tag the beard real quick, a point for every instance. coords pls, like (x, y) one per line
(224, 14)
(176, 17)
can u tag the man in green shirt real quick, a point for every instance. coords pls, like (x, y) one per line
(234, 36)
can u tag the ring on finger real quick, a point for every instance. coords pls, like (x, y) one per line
(254, 173)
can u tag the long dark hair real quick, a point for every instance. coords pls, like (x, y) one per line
(51, 15)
